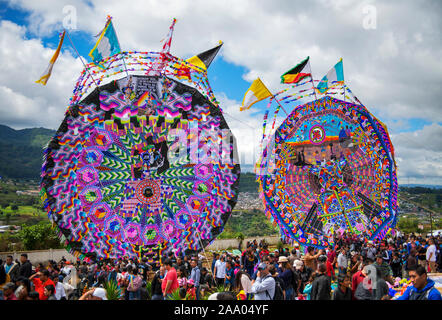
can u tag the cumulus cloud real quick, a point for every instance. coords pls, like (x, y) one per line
(419, 155)
(22, 61)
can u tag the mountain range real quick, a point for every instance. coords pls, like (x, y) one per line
(21, 151)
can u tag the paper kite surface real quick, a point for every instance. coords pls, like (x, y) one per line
(329, 168)
(111, 185)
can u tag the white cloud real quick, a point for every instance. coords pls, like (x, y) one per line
(419, 155)
(22, 61)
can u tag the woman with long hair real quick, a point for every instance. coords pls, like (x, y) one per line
(182, 277)
(243, 285)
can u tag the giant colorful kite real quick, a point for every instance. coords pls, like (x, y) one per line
(143, 162)
(328, 169)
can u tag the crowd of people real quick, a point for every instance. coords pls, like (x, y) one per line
(351, 269)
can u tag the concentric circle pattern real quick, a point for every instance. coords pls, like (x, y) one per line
(116, 181)
(330, 170)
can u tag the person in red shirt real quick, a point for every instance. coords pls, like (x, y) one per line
(331, 261)
(358, 277)
(264, 252)
(41, 282)
(8, 291)
(170, 282)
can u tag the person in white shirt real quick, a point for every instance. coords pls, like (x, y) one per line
(342, 262)
(220, 270)
(59, 289)
(431, 256)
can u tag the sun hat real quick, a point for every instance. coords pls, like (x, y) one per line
(298, 264)
(100, 293)
(262, 266)
(283, 259)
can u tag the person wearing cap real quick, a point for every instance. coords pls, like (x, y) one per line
(94, 294)
(8, 291)
(303, 274)
(287, 277)
(264, 286)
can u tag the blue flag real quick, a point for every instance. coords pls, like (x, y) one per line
(334, 76)
(107, 45)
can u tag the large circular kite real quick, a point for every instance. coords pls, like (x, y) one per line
(141, 165)
(330, 169)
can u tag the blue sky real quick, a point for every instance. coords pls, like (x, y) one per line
(394, 69)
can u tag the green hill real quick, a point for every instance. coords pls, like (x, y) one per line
(21, 152)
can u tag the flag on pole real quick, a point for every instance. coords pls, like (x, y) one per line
(159, 64)
(299, 72)
(204, 59)
(335, 74)
(257, 92)
(45, 77)
(168, 39)
(107, 44)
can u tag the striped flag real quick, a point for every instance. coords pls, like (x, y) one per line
(334, 76)
(297, 73)
(257, 92)
(159, 64)
(45, 77)
(204, 59)
(168, 39)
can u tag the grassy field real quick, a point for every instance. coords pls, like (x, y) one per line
(25, 214)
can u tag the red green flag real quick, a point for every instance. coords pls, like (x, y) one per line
(299, 72)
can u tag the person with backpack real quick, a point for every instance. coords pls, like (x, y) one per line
(133, 283)
(422, 287)
(264, 286)
(280, 293)
(287, 277)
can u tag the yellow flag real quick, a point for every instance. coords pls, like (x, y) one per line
(257, 92)
(45, 77)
